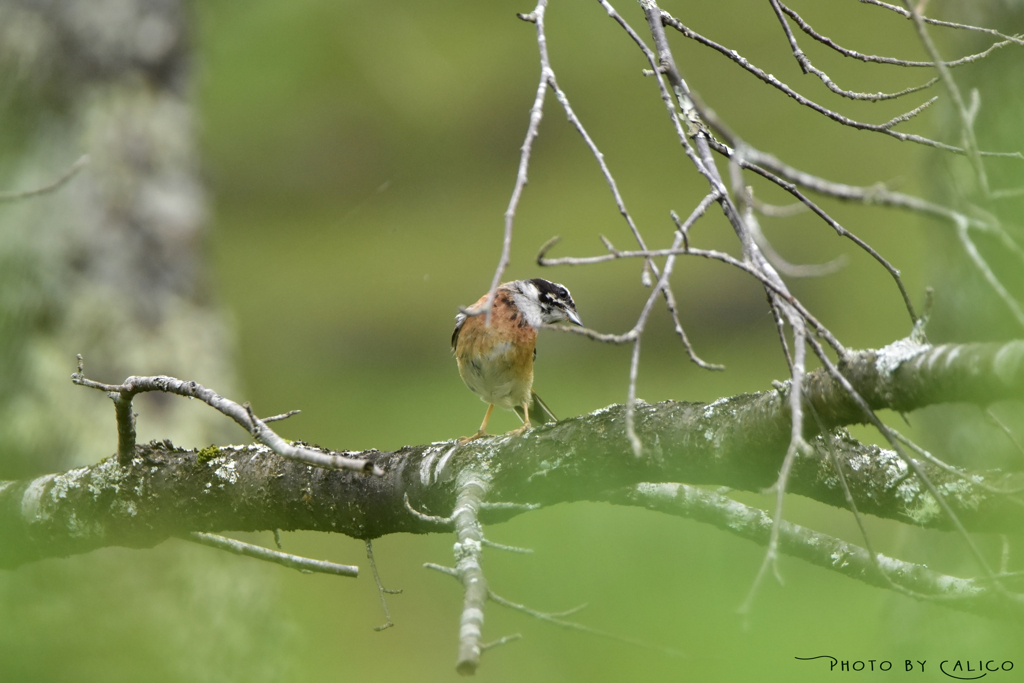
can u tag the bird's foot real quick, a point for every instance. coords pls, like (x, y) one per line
(466, 439)
(519, 431)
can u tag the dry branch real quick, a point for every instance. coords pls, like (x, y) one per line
(122, 395)
(303, 564)
(822, 550)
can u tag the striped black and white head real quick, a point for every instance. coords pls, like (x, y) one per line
(544, 303)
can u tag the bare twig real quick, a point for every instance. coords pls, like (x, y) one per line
(381, 590)
(122, 394)
(485, 505)
(558, 620)
(764, 209)
(472, 488)
(990, 277)
(673, 308)
(605, 171)
(851, 503)
(532, 130)
(450, 571)
(1006, 430)
(712, 254)
(825, 551)
(670, 299)
(948, 24)
(778, 262)
(504, 640)
(843, 232)
(797, 445)
(507, 548)
(768, 166)
(884, 128)
(649, 265)
(966, 117)
(760, 162)
(974, 480)
(633, 335)
(55, 185)
(1007, 194)
(780, 327)
(806, 28)
(303, 564)
(424, 517)
(808, 67)
(282, 416)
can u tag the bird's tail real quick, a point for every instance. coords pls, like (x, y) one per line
(539, 411)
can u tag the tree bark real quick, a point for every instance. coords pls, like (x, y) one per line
(737, 442)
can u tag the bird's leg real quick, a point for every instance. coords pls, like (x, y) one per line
(483, 427)
(526, 420)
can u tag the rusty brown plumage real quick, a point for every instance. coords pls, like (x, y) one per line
(496, 360)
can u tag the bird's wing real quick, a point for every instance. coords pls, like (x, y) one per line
(460, 320)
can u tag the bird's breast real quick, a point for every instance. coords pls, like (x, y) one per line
(496, 362)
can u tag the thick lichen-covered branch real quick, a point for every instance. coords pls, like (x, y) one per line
(907, 375)
(738, 442)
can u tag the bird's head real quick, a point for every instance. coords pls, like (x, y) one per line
(545, 303)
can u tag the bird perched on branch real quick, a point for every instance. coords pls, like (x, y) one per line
(496, 360)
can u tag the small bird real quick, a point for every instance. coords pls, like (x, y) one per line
(496, 361)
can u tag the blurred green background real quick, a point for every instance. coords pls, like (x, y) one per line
(360, 157)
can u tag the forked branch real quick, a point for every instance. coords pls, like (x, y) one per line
(122, 395)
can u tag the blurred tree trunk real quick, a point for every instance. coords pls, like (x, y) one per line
(111, 264)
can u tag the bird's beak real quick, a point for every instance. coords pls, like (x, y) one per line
(573, 317)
